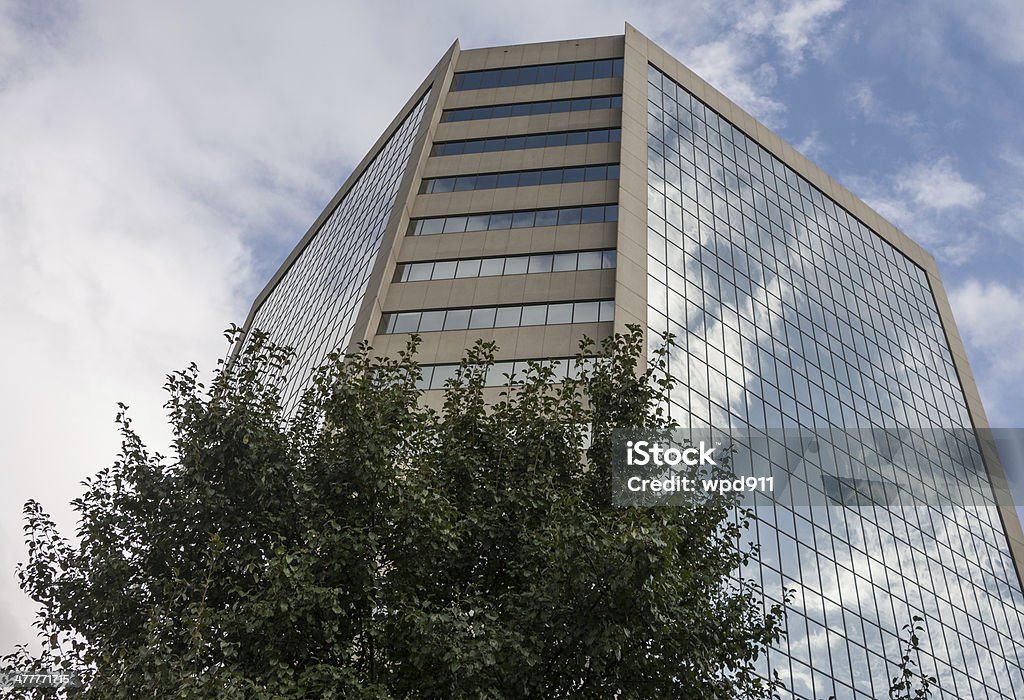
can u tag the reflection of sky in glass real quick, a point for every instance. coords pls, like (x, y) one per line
(791, 314)
(314, 306)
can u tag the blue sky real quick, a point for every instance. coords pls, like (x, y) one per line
(160, 160)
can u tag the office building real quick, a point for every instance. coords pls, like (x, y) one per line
(535, 194)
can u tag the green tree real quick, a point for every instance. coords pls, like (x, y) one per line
(368, 547)
(911, 683)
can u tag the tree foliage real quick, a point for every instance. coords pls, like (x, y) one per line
(368, 547)
(911, 683)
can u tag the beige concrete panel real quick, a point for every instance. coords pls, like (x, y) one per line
(610, 46)
(517, 198)
(453, 344)
(539, 342)
(630, 307)
(541, 52)
(533, 124)
(557, 340)
(463, 292)
(533, 93)
(524, 340)
(566, 285)
(448, 247)
(537, 288)
(392, 344)
(486, 289)
(590, 284)
(504, 161)
(604, 190)
(513, 289)
(632, 259)
(597, 236)
(398, 295)
(419, 248)
(631, 272)
(557, 195)
(565, 238)
(595, 331)
(603, 152)
(436, 294)
(539, 158)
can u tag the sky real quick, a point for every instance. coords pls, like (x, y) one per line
(159, 160)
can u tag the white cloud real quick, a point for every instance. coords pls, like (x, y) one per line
(1011, 221)
(866, 104)
(800, 22)
(927, 201)
(811, 145)
(725, 64)
(990, 317)
(735, 46)
(938, 185)
(794, 26)
(999, 23)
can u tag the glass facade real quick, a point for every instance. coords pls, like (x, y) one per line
(789, 313)
(519, 178)
(527, 109)
(536, 75)
(315, 304)
(554, 139)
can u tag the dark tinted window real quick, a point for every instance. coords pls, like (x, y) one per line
(515, 143)
(535, 75)
(522, 109)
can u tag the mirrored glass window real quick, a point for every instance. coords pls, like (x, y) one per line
(523, 109)
(314, 305)
(515, 143)
(535, 75)
(791, 313)
(521, 178)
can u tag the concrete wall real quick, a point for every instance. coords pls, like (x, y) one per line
(514, 343)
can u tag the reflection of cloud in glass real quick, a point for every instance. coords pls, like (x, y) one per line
(791, 314)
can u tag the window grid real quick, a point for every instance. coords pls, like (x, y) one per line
(522, 218)
(790, 313)
(535, 75)
(528, 109)
(553, 139)
(313, 307)
(505, 266)
(520, 178)
(486, 317)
